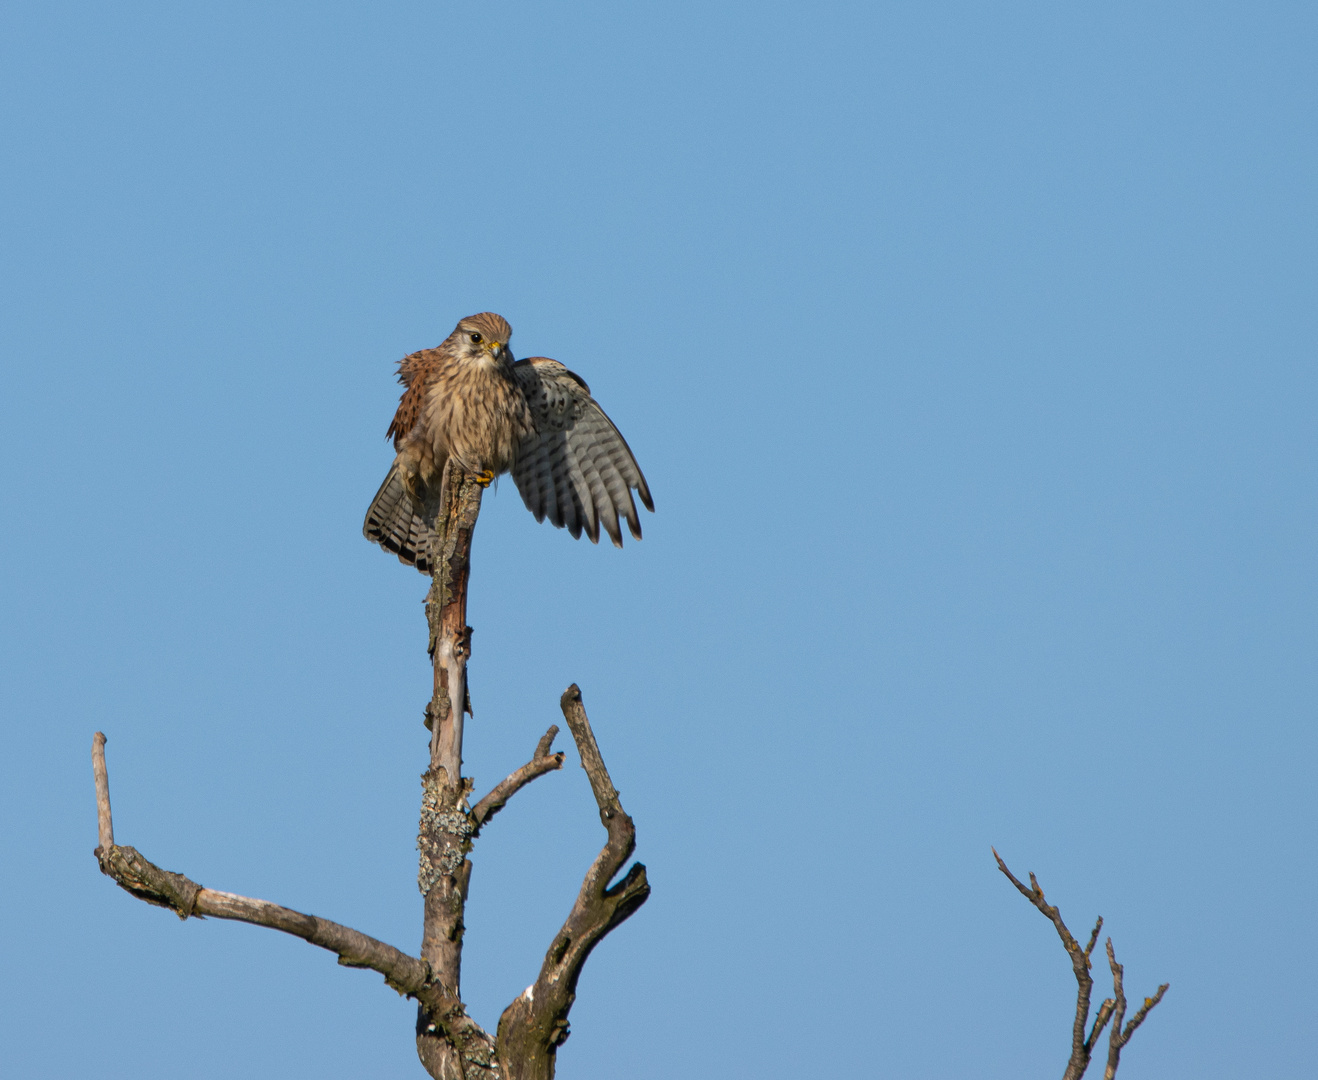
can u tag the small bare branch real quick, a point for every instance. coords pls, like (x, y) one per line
(546, 743)
(1093, 938)
(137, 875)
(535, 1025)
(541, 763)
(404, 973)
(1118, 1038)
(1081, 1047)
(104, 820)
(1101, 1018)
(1144, 1010)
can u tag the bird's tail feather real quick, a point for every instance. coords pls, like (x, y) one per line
(394, 524)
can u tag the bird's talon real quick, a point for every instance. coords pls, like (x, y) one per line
(485, 478)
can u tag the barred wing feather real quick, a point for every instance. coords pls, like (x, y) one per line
(392, 523)
(576, 469)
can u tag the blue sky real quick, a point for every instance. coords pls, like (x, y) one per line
(969, 352)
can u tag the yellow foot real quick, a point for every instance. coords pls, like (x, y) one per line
(485, 478)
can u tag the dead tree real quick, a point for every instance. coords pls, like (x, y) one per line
(1112, 1009)
(450, 1044)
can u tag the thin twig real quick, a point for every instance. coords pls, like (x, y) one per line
(1093, 938)
(1113, 1008)
(1101, 1018)
(1118, 1038)
(541, 763)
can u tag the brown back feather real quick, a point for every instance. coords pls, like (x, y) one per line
(413, 372)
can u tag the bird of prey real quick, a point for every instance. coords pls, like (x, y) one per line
(469, 400)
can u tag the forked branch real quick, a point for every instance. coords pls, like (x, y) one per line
(535, 1025)
(1113, 1008)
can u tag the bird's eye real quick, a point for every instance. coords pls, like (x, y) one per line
(476, 338)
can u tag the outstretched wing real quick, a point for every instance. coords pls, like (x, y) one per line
(576, 469)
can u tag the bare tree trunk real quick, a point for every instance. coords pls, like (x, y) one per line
(444, 835)
(536, 1023)
(450, 1044)
(453, 513)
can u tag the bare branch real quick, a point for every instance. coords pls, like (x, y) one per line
(137, 875)
(1093, 938)
(1100, 1022)
(546, 742)
(1118, 1038)
(1081, 1047)
(104, 820)
(1144, 1011)
(1113, 1008)
(406, 974)
(541, 763)
(535, 1025)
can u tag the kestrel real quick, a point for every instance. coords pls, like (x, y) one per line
(469, 400)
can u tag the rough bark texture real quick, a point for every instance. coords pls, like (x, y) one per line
(448, 1045)
(1113, 1008)
(535, 1025)
(453, 513)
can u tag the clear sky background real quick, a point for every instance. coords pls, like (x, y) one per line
(969, 352)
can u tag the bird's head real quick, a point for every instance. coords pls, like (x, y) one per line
(483, 338)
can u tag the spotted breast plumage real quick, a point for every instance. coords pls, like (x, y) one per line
(469, 400)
